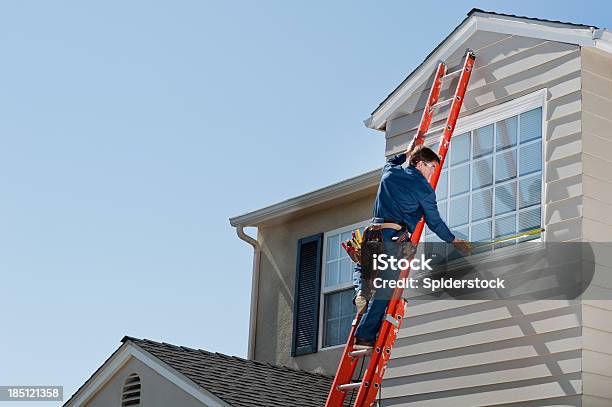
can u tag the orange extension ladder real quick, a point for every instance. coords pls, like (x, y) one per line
(367, 387)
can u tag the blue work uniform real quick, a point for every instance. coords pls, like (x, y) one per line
(404, 196)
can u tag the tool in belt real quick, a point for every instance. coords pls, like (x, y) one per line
(373, 239)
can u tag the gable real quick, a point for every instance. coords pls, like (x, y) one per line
(156, 391)
(482, 32)
(507, 67)
(105, 382)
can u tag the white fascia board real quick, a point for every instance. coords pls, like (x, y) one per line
(503, 25)
(121, 357)
(319, 196)
(533, 29)
(381, 114)
(101, 377)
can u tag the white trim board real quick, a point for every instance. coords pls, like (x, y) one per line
(127, 351)
(343, 188)
(482, 21)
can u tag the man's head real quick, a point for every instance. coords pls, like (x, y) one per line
(425, 160)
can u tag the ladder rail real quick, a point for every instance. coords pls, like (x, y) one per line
(432, 99)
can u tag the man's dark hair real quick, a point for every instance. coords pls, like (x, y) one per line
(422, 153)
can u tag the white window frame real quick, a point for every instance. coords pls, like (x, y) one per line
(336, 288)
(499, 112)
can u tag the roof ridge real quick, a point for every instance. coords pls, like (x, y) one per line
(223, 355)
(479, 10)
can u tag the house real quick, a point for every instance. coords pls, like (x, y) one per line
(147, 373)
(532, 148)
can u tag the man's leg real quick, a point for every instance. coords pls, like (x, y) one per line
(372, 319)
(361, 285)
(370, 323)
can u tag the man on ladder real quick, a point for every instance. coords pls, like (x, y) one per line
(404, 196)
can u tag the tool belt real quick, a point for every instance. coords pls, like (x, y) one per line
(374, 244)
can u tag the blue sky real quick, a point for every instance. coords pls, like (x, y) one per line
(131, 131)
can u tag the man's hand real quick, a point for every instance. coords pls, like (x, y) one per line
(462, 245)
(411, 147)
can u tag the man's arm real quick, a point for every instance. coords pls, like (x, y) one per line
(402, 157)
(433, 219)
(397, 159)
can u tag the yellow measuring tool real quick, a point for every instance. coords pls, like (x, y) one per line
(507, 238)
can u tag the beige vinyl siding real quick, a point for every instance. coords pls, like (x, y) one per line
(597, 223)
(502, 353)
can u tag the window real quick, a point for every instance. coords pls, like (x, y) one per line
(130, 395)
(337, 291)
(491, 184)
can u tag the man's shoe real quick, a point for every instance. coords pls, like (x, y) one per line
(363, 344)
(361, 302)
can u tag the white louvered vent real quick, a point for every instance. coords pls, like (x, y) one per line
(130, 396)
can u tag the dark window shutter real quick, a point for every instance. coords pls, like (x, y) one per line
(306, 295)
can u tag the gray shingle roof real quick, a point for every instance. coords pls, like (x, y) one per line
(240, 382)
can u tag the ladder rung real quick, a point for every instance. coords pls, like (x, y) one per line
(349, 386)
(452, 74)
(360, 352)
(442, 103)
(437, 129)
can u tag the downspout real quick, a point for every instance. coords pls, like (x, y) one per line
(254, 289)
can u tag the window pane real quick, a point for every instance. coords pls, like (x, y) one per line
(505, 198)
(331, 273)
(459, 210)
(460, 148)
(530, 191)
(481, 232)
(505, 166)
(531, 125)
(339, 311)
(346, 271)
(506, 133)
(461, 233)
(505, 226)
(333, 305)
(332, 332)
(442, 187)
(460, 180)
(483, 141)
(482, 173)
(529, 219)
(530, 158)
(333, 247)
(482, 204)
(433, 238)
(345, 327)
(442, 209)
